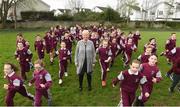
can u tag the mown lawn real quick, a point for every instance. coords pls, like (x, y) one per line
(68, 94)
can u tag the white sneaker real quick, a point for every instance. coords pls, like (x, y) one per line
(60, 81)
(108, 70)
(66, 74)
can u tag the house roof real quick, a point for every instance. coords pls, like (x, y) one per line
(62, 10)
(87, 9)
(101, 8)
(159, 4)
(136, 8)
(44, 3)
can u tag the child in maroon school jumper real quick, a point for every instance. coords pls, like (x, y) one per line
(23, 55)
(20, 39)
(129, 81)
(64, 54)
(153, 75)
(39, 46)
(170, 45)
(152, 43)
(42, 81)
(136, 37)
(15, 85)
(115, 49)
(68, 41)
(129, 47)
(47, 42)
(53, 44)
(176, 75)
(144, 58)
(105, 55)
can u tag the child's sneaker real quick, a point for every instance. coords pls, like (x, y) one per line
(66, 74)
(108, 70)
(103, 83)
(60, 81)
(170, 90)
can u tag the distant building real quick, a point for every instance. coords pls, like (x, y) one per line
(27, 5)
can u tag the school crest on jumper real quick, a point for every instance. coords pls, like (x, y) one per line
(152, 72)
(40, 76)
(136, 80)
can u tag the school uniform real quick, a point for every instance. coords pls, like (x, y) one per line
(104, 54)
(16, 85)
(144, 58)
(128, 49)
(53, 43)
(176, 74)
(136, 38)
(47, 42)
(114, 49)
(42, 77)
(150, 72)
(153, 46)
(129, 83)
(170, 46)
(39, 46)
(24, 65)
(63, 57)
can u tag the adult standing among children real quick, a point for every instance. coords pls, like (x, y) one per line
(85, 57)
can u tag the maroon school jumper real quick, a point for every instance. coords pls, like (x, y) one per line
(175, 53)
(129, 83)
(47, 42)
(136, 38)
(16, 85)
(154, 48)
(170, 46)
(63, 57)
(39, 46)
(23, 55)
(144, 58)
(150, 72)
(114, 48)
(128, 49)
(21, 41)
(42, 77)
(104, 54)
(53, 43)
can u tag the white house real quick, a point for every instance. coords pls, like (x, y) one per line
(159, 11)
(136, 13)
(27, 5)
(58, 12)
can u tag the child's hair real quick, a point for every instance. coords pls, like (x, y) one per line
(38, 35)
(20, 34)
(63, 42)
(172, 33)
(154, 55)
(135, 61)
(149, 46)
(12, 66)
(39, 62)
(151, 39)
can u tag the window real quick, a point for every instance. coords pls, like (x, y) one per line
(152, 13)
(160, 12)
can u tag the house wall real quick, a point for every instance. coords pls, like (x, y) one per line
(29, 5)
(135, 15)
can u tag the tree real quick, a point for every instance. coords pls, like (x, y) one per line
(6, 5)
(75, 4)
(123, 7)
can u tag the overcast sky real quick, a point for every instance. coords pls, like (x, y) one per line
(87, 3)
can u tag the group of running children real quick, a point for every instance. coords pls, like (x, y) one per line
(109, 43)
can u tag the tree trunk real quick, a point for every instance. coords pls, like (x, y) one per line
(15, 16)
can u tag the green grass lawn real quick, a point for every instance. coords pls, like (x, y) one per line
(68, 93)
